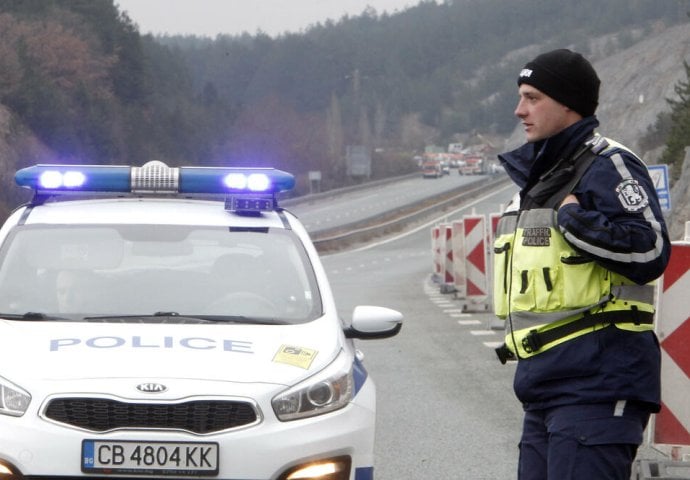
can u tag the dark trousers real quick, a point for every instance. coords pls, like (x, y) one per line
(581, 442)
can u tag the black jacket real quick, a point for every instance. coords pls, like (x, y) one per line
(619, 224)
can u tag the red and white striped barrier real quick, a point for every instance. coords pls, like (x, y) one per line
(672, 424)
(459, 269)
(475, 263)
(460, 263)
(436, 252)
(448, 279)
(493, 225)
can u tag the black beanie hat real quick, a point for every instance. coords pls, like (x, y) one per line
(565, 76)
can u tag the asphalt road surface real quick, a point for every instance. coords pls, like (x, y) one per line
(446, 409)
(322, 213)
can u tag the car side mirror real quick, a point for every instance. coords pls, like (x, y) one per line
(369, 322)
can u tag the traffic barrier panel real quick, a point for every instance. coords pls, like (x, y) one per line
(671, 426)
(493, 226)
(436, 253)
(475, 262)
(459, 267)
(495, 323)
(493, 220)
(661, 470)
(448, 283)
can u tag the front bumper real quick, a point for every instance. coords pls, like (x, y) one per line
(37, 448)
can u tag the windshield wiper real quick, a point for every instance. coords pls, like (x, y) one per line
(31, 316)
(162, 317)
(158, 317)
(242, 319)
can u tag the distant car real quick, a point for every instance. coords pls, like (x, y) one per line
(472, 165)
(432, 169)
(496, 168)
(175, 322)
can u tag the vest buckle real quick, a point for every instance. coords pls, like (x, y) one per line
(532, 342)
(504, 354)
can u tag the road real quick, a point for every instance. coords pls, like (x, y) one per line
(446, 409)
(323, 212)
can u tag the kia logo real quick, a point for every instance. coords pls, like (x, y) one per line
(151, 387)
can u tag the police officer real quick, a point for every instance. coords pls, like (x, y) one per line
(575, 255)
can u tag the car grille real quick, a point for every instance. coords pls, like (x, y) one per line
(201, 416)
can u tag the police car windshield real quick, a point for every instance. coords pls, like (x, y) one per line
(78, 271)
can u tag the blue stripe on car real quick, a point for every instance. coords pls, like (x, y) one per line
(359, 373)
(366, 473)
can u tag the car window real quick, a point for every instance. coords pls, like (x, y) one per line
(78, 271)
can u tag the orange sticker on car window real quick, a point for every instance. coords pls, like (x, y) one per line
(295, 356)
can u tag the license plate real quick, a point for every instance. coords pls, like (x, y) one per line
(149, 458)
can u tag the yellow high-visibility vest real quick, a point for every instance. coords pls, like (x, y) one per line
(548, 293)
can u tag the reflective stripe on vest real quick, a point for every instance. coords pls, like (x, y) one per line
(515, 338)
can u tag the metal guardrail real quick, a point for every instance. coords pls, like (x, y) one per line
(347, 235)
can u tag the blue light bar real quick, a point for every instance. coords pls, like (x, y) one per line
(63, 178)
(154, 177)
(234, 180)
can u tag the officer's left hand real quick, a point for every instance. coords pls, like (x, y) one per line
(570, 198)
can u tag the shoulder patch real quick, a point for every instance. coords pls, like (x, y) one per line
(632, 196)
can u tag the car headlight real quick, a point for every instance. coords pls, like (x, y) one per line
(330, 389)
(13, 400)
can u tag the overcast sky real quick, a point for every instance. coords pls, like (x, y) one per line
(273, 17)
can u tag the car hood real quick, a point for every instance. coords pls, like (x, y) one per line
(69, 351)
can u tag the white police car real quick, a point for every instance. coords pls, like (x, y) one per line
(149, 330)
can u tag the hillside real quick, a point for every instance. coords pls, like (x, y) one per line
(636, 84)
(637, 81)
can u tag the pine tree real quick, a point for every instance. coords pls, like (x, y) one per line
(679, 136)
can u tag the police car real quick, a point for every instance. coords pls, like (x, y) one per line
(175, 322)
